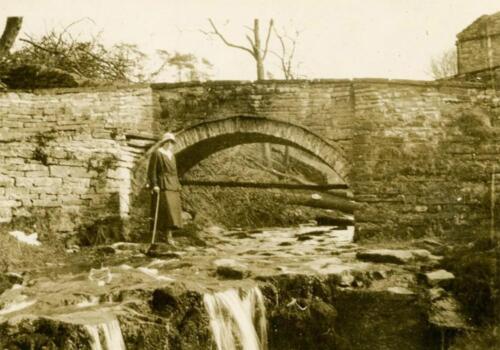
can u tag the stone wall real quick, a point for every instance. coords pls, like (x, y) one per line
(411, 157)
(419, 154)
(478, 45)
(422, 157)
(65, 158)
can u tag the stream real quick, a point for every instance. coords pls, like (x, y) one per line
(270, 288)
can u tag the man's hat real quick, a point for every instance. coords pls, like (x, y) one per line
(168, 136)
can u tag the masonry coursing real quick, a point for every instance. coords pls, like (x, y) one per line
(68, 157)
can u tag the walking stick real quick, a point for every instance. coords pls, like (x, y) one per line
(156, 217)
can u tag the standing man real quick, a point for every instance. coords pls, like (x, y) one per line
(166, 198)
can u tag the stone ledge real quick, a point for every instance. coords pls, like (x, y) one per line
(235, 83)
(81, 89)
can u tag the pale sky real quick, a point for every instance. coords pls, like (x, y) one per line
(339, 38)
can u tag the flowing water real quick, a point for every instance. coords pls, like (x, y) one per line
(238, 322)
(112, 335)
(78, 292)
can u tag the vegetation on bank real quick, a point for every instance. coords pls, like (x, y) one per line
(475, 265)
(246, 207)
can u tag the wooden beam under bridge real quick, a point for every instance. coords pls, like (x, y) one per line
(276, 185)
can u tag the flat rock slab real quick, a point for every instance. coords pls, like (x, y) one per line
(439, 277)
(393, 256)
(231, 269)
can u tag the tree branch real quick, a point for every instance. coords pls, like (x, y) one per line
(216, 32)
(278, 173)
(251, 42)
(269, 30)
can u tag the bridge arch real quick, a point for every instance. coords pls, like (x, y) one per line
(199, 141)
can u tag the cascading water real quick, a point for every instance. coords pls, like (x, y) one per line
(112, 335)
(234, 319)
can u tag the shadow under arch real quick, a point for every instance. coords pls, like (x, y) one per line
(199, 141)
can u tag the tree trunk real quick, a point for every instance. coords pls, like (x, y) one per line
(260, 69)
(325, 202)
(257, 50)
(12, 28)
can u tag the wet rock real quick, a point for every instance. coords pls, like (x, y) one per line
(187, 326)
(256, 230)
(341, 274)
(439, 278)
(334, 221)
(214, 230)
(9, 279)
(73, 248)
(305, 324)
(4, 283)
(231, 269)
(162, 250)
(106, 249)
(126, 246)
(436, 293)
(358, 283)
(393, 256)
(43, 333)
(421, 254)
(315, 233)
(400, 290)
(14, 277)
(446, 312)
(304, 237)
(378, 275)
(238, 234)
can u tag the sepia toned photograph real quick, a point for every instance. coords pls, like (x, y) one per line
(249, 174)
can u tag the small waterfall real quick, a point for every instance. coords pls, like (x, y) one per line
(112, 335)
(234, 319)
(94, 334)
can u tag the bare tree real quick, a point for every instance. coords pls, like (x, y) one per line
(11, 30)
(256, 50)
(444, 65)
(286, 55)
(188, 66)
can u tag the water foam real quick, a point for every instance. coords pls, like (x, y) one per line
(112, 335)
(234, 319)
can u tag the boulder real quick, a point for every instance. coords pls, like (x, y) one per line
(231, 269)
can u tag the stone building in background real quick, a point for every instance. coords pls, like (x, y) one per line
(478, 50)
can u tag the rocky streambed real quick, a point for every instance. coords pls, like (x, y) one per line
(312, 287)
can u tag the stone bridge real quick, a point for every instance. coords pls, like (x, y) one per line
(199, 141)
(419, 154)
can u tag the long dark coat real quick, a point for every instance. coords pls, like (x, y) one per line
(162, 172)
